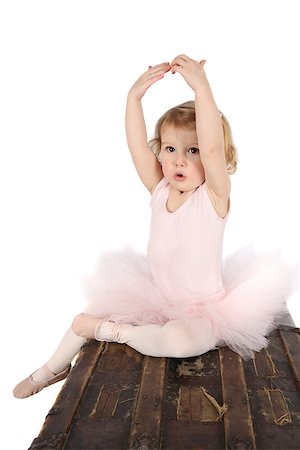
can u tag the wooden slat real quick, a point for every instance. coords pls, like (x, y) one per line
(239, 432)
(104, 416)
(264, 365)
(192, 419)
(271, 437)
(147, 418)
(192, 436)
(195, 404)
(60, 417)
(112, 391)
(291, 343)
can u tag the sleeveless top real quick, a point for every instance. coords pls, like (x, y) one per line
(185, 246)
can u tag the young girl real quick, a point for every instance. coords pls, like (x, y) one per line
(178, 300)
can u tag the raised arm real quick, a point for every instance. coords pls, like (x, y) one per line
(208, 126)
(145, 162)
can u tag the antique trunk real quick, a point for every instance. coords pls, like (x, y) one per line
(116, 398)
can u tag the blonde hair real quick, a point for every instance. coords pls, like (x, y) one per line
(184, 116)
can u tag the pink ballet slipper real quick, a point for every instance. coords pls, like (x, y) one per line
(86, 325)
(29, 386)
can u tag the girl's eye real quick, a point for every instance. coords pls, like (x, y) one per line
(169, 148)
(194, 150)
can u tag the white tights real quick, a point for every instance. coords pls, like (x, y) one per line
(180, 338)
(65, 352)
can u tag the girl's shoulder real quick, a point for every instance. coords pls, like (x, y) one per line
(158, 190)
(158, 185)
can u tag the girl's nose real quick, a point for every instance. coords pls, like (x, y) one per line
(180, 160)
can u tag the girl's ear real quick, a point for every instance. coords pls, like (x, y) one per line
(202, 62)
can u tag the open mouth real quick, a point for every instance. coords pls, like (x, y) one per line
(180, 177)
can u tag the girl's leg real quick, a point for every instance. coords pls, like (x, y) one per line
(56, 368)
(180, 338)
(65, 352)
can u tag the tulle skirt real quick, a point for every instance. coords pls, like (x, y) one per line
(252, 302)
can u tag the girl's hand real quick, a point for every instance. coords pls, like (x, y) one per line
(148, 78)
(191, 70)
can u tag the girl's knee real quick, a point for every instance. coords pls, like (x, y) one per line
(176, 339)
(183, 341)
(76, 324)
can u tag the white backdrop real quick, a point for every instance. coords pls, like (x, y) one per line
(68, 186)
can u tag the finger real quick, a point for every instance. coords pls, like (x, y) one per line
(178, 69)
(158, 66)
(177, 65)
(180, 59)
(174, 68)
(159, 70)
(148, 76)
(184, 57)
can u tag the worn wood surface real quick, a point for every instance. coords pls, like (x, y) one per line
(116, 398)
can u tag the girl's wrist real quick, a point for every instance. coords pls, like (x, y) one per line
(201, 84)
(133, 97)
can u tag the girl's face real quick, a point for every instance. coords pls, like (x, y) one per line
(180, 156)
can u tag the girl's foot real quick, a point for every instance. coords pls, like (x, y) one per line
(38, 380)
(86, 326)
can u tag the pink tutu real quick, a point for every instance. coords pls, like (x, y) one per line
(250, 305)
